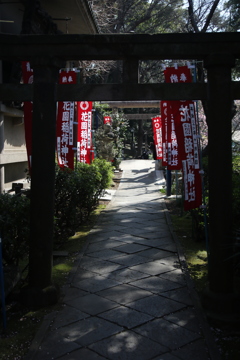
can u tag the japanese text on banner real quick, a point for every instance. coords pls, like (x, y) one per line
(157, 135)
(65, 120)
(84, 138)
(185, 126)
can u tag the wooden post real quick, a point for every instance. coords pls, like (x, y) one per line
(46, 72)
(219, 106)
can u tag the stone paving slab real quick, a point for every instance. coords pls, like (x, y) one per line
(129, 259)
(96, 283)
(126, 275)
(131, 248)
(126, 317)
(155, 254)
(101, 266)
(156, 305)
(181, 295)
(100, 245)
(68, 316)
(166, 357)
(124, 294)
(157, 242)
(153, 268)
(108, 254)
(156, 285)
(185, 318)
(175, 275)
(128, 297)
(89, 331)
(128, 346)
(83, 354)
(196, 350)
(169, 334)
(55, 345)
(72, 293)
(92, 304)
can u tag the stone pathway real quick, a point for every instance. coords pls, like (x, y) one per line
(128, 297)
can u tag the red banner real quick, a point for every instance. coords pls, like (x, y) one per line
(183, 122)
(157, 136)
(84, 137)
(165, 110)
(27, 74)
(65, 120)
(107, 120)
(191, 163)
(174, 132)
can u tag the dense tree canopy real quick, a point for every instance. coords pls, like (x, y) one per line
(139, 16)
(161, 16)
(233, 7)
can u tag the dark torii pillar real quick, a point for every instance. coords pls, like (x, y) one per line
(46, 74)
(219, 106)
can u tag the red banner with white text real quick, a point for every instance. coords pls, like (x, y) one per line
(27, 75)
(183, 119)
(84, 135)
(165, 111)
(65, 120)
(157, 136)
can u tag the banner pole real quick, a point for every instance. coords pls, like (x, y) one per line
(176, 180)
(169, 182)
(2, 288)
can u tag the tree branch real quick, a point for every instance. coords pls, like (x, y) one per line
(210, 15)
(191, 16)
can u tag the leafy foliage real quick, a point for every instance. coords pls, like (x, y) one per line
(139, 16)
(14, 227)
(77, 194)
(110, 138)
(233, 7)
(105, 169)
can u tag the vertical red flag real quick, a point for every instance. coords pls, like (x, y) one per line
(191, 163)
(157, 135)
(170, 140)
(65, 119)
(27, 74)
(165, 111)
(183, 114)
(175, 138)
(107, 120)
(84, 136)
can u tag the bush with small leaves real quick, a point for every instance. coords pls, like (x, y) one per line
(14, 227)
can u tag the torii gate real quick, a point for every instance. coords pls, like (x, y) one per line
(48, 54)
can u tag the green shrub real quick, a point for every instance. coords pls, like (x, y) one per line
(88, 189)
(14, 227)
(77, 195)
(106, 170)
